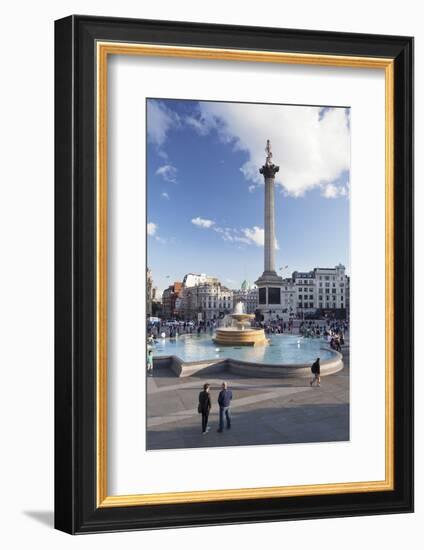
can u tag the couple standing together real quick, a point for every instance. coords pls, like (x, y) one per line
(224, 402)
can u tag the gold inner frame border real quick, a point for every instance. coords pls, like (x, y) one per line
(103, 50)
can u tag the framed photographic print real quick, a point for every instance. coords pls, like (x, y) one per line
(233, 266)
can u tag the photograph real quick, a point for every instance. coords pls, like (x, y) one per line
(233, 269)
(247, 273)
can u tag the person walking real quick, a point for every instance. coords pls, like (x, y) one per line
(224, 402)
(204, 407)
(150, 361)
(316, 371)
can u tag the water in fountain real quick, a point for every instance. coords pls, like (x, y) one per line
(226, 321)
(239, 308)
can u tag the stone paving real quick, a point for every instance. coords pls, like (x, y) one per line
(264, 411)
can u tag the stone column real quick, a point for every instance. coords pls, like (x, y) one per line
(269, 171)
(269, 256)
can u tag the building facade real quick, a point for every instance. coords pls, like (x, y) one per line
(206, 301)
(195, 279)
(288, 298)
(169, 300)
(150, 293)
(322, 291)
(248, 295)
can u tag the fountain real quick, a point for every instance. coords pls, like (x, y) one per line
(240, 333)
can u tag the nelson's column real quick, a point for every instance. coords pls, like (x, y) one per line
(269, 283)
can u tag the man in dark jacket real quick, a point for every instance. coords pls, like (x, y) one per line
(316, 371)
(224, 402)
(205, 407)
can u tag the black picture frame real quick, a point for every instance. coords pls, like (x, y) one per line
(76, 508)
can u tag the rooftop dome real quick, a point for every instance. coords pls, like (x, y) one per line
(245, 285)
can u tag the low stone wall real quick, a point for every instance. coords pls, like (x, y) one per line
(244, 368)
(181, 369)
(255, 370)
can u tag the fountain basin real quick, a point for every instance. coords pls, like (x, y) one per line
(287, 356)
(240, 337)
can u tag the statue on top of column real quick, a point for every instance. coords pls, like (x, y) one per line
(268, 152)
(269, 169)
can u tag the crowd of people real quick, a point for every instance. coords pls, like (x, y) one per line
(333, 331)
(173, 329)
(277, 326)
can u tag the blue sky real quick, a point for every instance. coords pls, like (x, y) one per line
(205, 194)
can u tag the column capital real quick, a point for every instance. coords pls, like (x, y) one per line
(269, 170)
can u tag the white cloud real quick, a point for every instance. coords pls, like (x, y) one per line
(256, 235)
(331, 191)
(230, 234)
(165, 195)
(202, 122)
(201, 222)
(168, 173)
(200, 126)
(160, 120)
(152, 231)
(311, 145)
(252, 188)
(151, 228)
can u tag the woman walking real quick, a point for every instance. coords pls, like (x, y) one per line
(316, 371)
(150, 362)
(204, 407)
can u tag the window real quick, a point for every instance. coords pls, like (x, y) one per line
(311, 305)
(311, 297)
(327, 285)
(320, 305)
(333, 291)
(327, 278)
(327, 291)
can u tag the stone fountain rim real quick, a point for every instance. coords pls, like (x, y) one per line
(326, 362)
